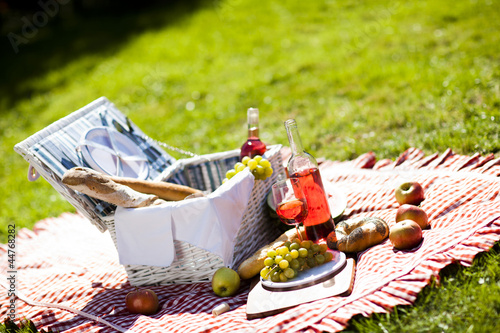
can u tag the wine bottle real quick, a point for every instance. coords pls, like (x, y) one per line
(303, 166)
(253, 146)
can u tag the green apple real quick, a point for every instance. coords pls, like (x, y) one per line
(414, 213)
(405, 235)
(411, 193)
(225, 282)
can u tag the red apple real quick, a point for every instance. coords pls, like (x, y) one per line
(405, 235)
(411, 193)
(143, 301)
(225, 282)
(414, 213)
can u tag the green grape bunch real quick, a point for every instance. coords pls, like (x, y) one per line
(259, 166)
(288, 260)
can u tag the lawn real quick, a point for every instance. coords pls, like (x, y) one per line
(358, 76)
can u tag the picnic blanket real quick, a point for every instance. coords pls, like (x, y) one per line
(69, 279)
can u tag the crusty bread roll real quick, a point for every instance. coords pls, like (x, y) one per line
(357, 234)
(253, 265)
(99, 186)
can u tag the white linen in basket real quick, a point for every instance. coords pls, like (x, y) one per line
(145, 236)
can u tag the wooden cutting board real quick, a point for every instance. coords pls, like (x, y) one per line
(263, 302)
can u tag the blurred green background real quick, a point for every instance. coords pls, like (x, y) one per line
(358, 76)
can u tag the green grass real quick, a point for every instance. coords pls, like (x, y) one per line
(466, 300)
(357, 75)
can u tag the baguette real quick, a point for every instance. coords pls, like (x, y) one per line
(99, 186)
(164, 190)
(253, 265)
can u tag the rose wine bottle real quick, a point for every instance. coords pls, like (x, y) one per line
(253, 146)
(303, 166)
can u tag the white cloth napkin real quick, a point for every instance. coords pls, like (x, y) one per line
(145, 236)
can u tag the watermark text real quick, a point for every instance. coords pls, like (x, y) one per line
(31, 25)
(12, 270)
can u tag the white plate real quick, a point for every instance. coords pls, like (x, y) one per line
(337, 200)
(111, 152)
(310, 276)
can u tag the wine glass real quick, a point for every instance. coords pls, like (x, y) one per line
(291, 203)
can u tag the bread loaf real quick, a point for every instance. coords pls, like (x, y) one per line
(253, 265)
(357, 234)
(164, 190)
(99, 186)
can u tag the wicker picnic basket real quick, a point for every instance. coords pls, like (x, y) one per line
(55, 149)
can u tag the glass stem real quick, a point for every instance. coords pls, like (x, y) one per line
(298, 233)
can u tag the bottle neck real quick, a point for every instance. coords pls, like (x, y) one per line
(293, 137)
(253, 132)
(253, 122)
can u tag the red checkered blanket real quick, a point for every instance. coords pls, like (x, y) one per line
(68, 276)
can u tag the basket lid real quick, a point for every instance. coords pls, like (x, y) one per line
(62, 145)
(58, 147)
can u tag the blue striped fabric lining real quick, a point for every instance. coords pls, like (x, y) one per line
(59, 152)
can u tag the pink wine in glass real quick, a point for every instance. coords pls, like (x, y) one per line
(303, 167)
(253, 146)
(291, 202)
(292, 212)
